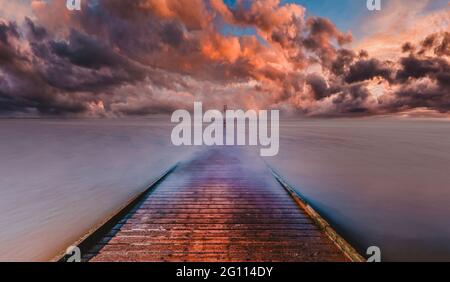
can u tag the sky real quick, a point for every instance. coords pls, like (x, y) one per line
(308, 58)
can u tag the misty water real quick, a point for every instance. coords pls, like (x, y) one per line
(379, 181)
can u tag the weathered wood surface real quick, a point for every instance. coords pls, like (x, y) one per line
(223, 205)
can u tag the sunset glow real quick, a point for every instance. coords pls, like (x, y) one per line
(147, 57)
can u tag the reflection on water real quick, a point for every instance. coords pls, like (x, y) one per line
(382, 182)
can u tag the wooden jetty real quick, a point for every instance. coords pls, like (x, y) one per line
(223, 205)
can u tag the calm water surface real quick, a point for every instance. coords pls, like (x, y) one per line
(382, 182)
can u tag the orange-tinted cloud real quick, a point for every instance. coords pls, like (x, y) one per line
(400, 23)
(148, 56)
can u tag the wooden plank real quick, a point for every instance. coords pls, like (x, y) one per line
(223, 205)
(290, 256)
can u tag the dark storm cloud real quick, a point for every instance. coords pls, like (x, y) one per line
(322, 33)
(367, 69)
(344, 58)
(36, 33)
(84, 51)
(352, 100)
(416, 67)
(23, 86)
(408, 47)
(149, 56)
(8, 29)
(321, 29)
(420, 79)
(421, 95)
(318, 85)
(82, 63)
(423, 77)
(8, 54)
(173, 34)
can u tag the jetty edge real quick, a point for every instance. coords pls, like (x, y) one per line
(95, 233)
(338, 240)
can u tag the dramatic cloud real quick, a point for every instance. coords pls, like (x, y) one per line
(364, 70)
(142, 57)
(400, 22)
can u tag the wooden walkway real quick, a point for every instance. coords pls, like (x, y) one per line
(222, 206)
